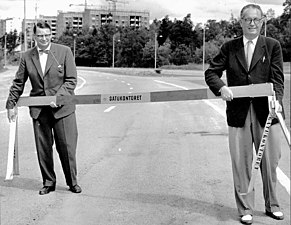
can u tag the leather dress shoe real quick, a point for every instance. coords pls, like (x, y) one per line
(75, 189)
(246, 219)
(275, 215)
(47, 189)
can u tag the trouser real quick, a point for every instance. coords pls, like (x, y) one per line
(241, 141)
(63, 132)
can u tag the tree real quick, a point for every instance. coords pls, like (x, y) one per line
(285, 30)
(132, 44)
(11, 41)
(164, 30)
(105, 45)
(181, 32)
(181, 55)
(90, 51)
(179, 42)
(148, 57)
(211, 50)
(164, 54)
(213, 30)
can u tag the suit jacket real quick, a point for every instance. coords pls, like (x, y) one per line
(60, 78)
(266, 66)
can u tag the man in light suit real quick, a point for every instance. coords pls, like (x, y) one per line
(245, 62)
(52, 72)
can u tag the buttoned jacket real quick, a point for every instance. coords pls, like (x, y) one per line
(266, 66)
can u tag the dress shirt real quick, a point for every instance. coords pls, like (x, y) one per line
(43, 58)
(252, 45)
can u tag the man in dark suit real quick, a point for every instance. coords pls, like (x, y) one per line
(251, 59)
(52, 72)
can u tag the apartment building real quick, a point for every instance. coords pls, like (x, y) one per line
(66, 20)
(121, 18)
(52, 21)
(10, 24)
(77, 20)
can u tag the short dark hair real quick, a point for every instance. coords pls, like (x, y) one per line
(41, 24)
(254, 6)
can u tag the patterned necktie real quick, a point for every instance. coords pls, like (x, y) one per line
(249, 53)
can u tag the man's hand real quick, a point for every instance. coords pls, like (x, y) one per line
(12, 114)
(278, 107)
(53, 105)
(274, 107)
(226, 93)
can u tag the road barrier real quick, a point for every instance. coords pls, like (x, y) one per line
(273, 113)
(254, 90)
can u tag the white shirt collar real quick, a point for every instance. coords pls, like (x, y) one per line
(245, 40)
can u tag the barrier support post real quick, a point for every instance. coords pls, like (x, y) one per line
(16, 157)
(273, 113)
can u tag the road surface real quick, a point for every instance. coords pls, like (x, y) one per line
(138, 164)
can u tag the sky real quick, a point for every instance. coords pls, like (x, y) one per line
(200, 10)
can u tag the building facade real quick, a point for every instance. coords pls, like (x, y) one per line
(90, 18)
(66, 20)
(10, 25)
(121, 18)
(99, 17)
(52, 21)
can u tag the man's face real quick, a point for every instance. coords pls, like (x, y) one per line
(251, 23)
(42, 37)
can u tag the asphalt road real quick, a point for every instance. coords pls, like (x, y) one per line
(138, 164)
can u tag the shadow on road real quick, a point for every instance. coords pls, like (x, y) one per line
(218, 211)
(21, 183)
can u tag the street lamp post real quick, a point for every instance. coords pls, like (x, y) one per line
(5, 43)
(74, 46)
(24, 27)
(268, 16)
(156, 35)
(203, 51)
(5, 49)
(265, 27)
(113, 50)
(113, 47)
(156, 49)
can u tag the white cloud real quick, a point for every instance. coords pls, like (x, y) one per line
(200, 11)
(203, 10)
(267, 2)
